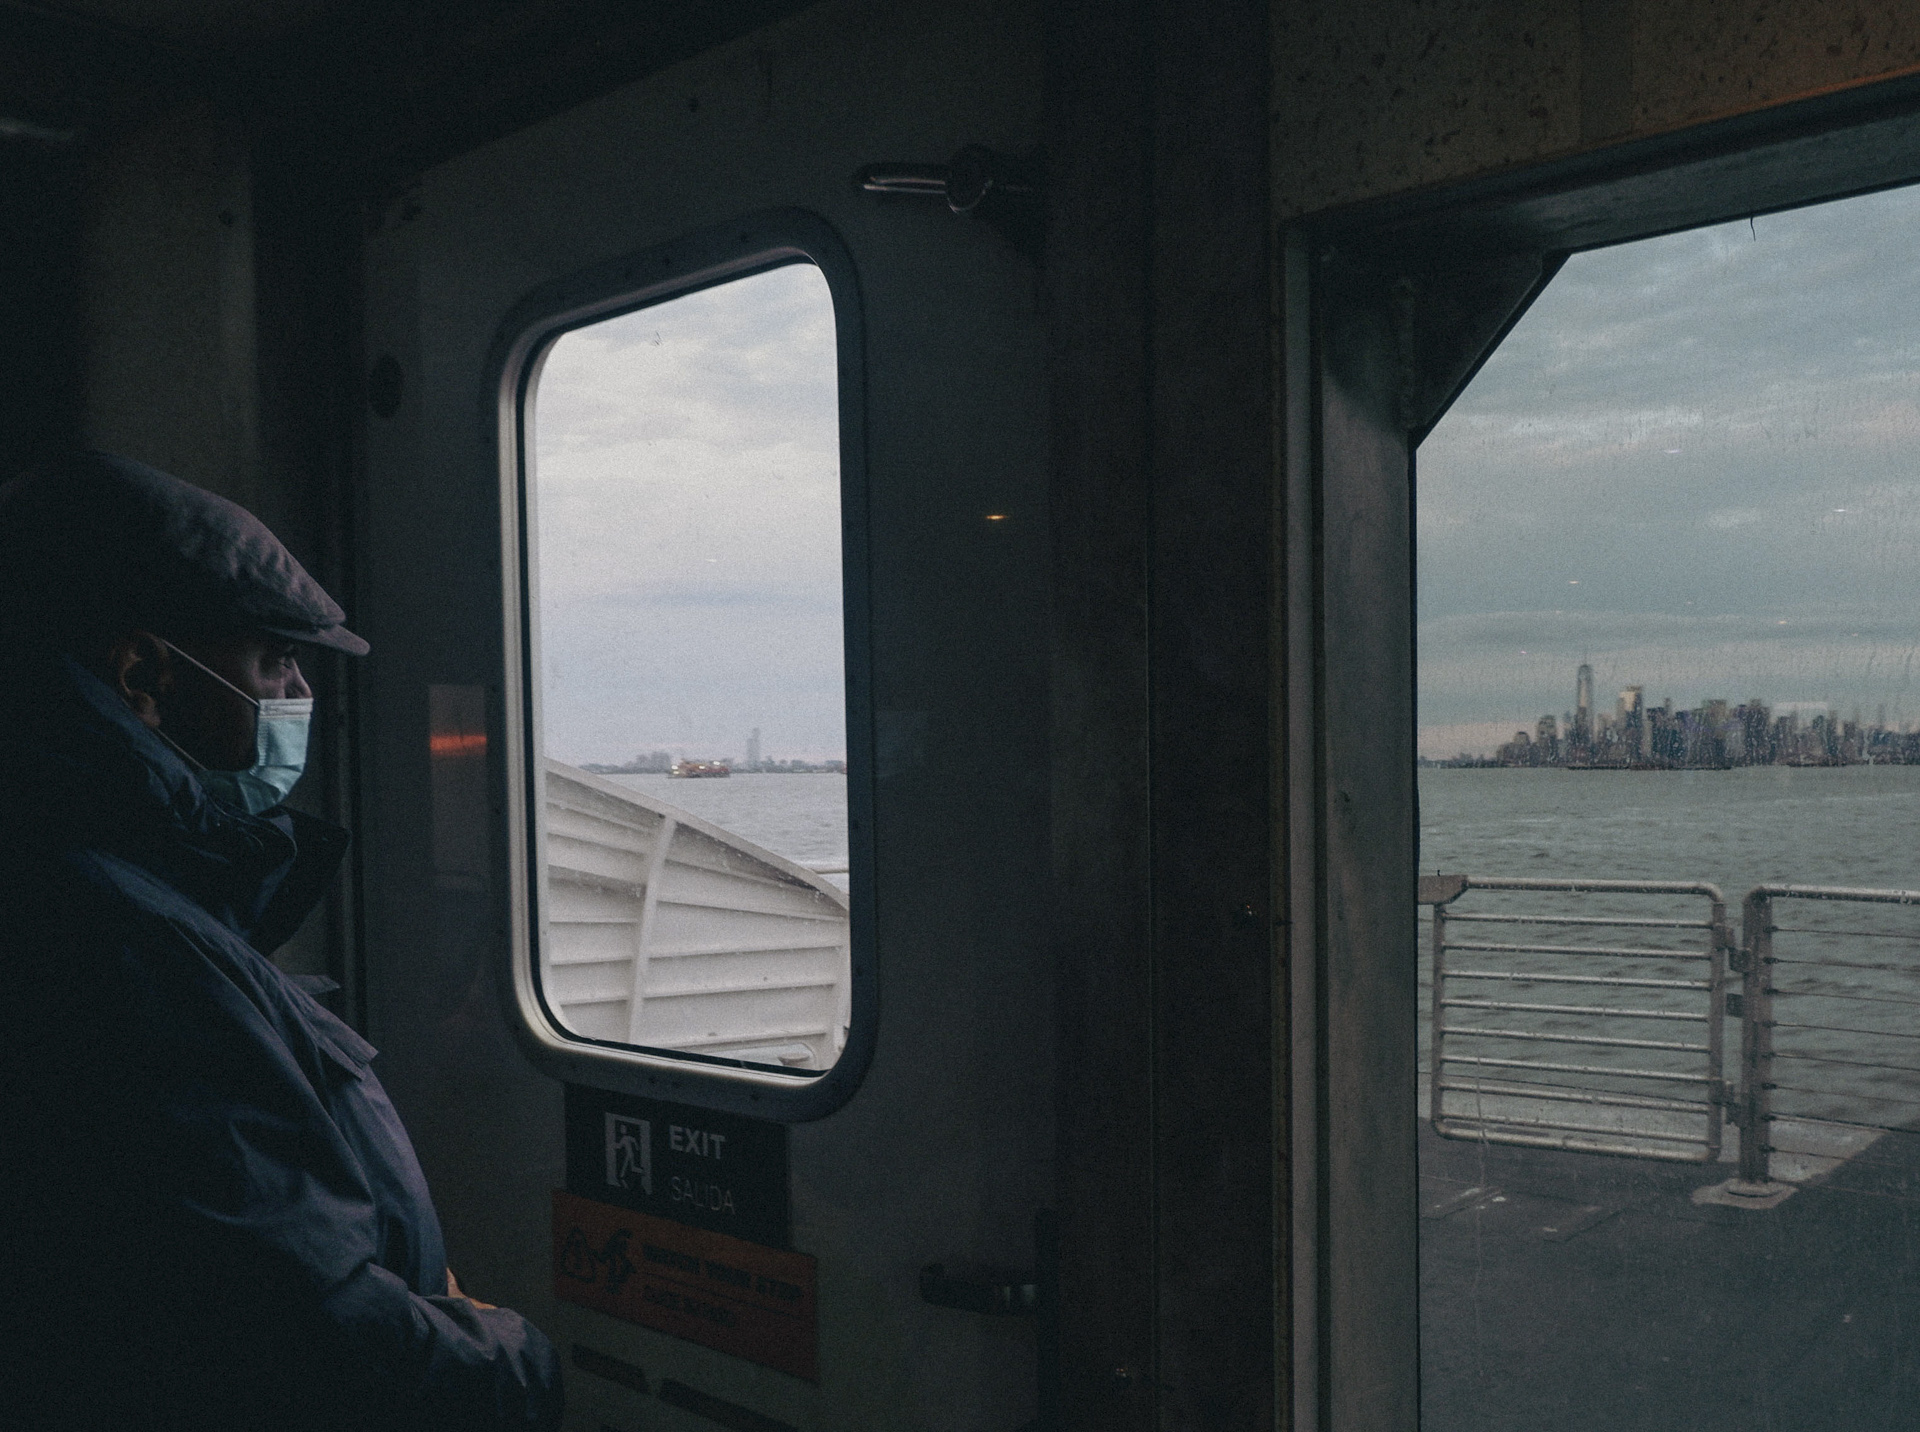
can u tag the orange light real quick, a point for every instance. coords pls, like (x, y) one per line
(996, 517)
(457, 743)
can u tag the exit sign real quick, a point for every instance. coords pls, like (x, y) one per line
(717, 1171)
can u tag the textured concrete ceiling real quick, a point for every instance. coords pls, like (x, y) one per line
(201, 24)
(377, 88)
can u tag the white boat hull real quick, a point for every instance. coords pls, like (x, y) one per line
(664, 931)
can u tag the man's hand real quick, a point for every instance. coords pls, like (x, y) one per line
(453, 1291)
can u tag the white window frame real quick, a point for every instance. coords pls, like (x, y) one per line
(713, 256)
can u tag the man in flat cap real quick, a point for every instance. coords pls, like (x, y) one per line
(210, 1215)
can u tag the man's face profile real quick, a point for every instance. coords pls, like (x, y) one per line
(209, 721)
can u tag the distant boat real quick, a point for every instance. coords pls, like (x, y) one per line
(689, 770)
(665, 931)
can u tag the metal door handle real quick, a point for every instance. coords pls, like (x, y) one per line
(965, 180)
(1036, 1295)
(993, 1297)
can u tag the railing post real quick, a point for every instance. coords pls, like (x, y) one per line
(1756, 1036)
(1436, 1032)
(1438, 891)
(1721, 937)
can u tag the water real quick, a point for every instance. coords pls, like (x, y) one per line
(1813, 825)
(803, 817)
(1850, 825)
(1847, 975)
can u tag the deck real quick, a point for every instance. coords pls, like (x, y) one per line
(1585, 1293)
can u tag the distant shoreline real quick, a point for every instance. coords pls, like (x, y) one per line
(737, 770)
(1489, 763)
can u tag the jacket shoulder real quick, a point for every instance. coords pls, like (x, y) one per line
(102, 949)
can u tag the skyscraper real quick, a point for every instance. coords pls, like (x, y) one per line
(1582, 733)
(1631, 718)
(753, 750)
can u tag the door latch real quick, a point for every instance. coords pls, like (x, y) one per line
(1002, 191)
(996, 1297)
(965, 181)
(1035, 1295)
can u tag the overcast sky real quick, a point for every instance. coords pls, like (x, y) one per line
(1696, 463)
(687, 520)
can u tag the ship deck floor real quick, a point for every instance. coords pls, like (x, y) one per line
(1586, 1293)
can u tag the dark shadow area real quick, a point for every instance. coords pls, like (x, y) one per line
(1575, 1292)
(39, 362)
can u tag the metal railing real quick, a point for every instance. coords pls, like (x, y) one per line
(1829, 1015)
(1830, 1038)
(1531, 1040)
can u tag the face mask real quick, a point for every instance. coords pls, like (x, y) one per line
(280, 729)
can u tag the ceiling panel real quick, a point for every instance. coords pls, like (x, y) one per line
(201, 24)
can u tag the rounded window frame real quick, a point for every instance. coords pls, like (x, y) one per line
(658, 274)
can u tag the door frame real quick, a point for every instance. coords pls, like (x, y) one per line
(1168, 783)
(1403, 299)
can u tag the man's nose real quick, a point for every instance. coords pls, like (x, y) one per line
(297, 688)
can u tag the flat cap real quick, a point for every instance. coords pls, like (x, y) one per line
(124, 542)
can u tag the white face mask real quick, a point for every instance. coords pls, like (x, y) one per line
(280, 727)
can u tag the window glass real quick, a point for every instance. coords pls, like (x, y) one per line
(1669, 610)
(689, 717)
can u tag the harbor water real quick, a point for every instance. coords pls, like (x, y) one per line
(1812, 825)
(801, 816)
(1848, 978)
(1848, 826)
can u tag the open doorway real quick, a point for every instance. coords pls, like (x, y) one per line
(1669, 790)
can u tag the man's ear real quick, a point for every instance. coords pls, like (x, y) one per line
(140, 670)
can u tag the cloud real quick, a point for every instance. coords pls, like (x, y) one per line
(686, 518)
(1696, 459)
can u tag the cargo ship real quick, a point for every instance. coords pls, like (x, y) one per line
(689, 770)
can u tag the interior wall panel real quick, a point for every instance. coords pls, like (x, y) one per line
(169, 330)
(1214, 842)
(1098, 342)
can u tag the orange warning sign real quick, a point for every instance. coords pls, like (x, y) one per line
(711, 1288)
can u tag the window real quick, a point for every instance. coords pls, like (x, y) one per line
(1668, 619)
(694, 877)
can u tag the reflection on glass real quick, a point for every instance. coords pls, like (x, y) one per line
(683, 515)
(1670, 811)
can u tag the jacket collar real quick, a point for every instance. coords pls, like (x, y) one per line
(78, 770)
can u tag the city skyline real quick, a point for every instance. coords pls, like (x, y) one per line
(1714, 735)
(663, 758)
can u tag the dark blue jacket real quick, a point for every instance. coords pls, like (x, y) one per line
(210, 1215)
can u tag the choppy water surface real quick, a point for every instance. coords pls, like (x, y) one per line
(1847, 825)
(803, 817)
(1847, 976)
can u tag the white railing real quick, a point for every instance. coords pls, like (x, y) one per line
(1596, 1028)
(664, 931)
(1529, 1042)
(1830, 1046)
